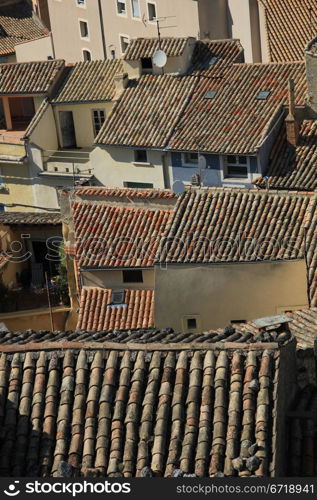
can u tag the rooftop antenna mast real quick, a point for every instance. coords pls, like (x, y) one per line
(160, 58)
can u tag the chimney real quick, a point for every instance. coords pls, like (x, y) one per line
(311, 73)
(292, 129)
(120, 82)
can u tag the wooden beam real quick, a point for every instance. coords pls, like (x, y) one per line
(7, 112)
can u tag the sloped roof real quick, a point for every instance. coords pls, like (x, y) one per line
(89, 81)
(98, 314)
(111, 193)
(173, 112)
(116, 236)
(146, 47)
(209, 54)
(235, 121)
(18, 24)
(290, 25)
(29, 77)
(119, 411)
(216, 224)
(293, 168)
(151, 107)
(30, 218)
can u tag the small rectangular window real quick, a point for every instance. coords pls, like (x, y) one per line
(140, 156)
(121, 7)
(151, 11)
(81, 3)
(138, 185)
(124, 43)
(2, 208)
(191, 324)
(86, 55)
(135, 4)
(98, 116)
(134, 276)
(146, 63)
(83, 29)
(236, 166)
(191, 158)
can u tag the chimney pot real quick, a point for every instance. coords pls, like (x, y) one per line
(292, 128)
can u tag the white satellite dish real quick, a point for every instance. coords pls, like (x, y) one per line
(159, 59)
(202, 163)
(178, 187)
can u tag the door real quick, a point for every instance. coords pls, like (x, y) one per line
(66, 121)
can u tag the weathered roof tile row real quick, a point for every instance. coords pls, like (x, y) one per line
(89, 81)
(118, 412)
(111, 193)
(146, 47)
(30, 218)
(29, 77)
(97, 313)
(114, 236)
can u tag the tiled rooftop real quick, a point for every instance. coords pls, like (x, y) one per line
(30, 218)
(146, 47)
(112, 193)
(293, 168)
(116, 236)
(151, 107)
(209, 54)
(235, 121)
(173, 112)
(216, 215)
(115, 412)
(18, 24)
(29, 77)
(89, 81)
(289, 27)
(97, 312)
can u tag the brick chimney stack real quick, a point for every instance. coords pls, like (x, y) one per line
(292, 129)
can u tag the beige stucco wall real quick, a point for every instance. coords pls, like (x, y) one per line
(115, 166)
(213, 19)
(64, 17)
(18, 187)
(83, 120)
(113, 279)
(243, 24)
(221, 293)
(34, 50)
(38, 319)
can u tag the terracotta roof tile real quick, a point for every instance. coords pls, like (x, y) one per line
(145, 47)
(29, 77)
(112, 193)
(203, 218)
(89, 81)
(114, 236)
(30, 218)
(18, 24)
(172, 111)
(289, 27)
(209, 54)
(293, 168)
(116, 412)
(98, 314)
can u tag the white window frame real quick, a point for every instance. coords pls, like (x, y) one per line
(98, 110)
(88, 29)
(187, 163)
(246, 165)
(132, 13)
(122, 35)
(122, 14)
(147, 11)
(84, 49)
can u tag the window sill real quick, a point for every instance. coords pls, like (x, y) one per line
(142, 164)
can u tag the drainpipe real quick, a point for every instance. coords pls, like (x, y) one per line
(102, 28)
(166, 176)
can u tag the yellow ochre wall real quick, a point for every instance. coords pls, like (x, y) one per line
(221, 293)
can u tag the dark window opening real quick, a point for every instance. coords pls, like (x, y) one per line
(140, 155)
(147, 63)
(138, 185)
(191, 324)
(237, 321)
(134, 276)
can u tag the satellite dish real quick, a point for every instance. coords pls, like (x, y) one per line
(178, 187)
(202, 163)
(159, 58)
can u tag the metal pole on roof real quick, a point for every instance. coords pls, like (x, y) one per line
(49, 302)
